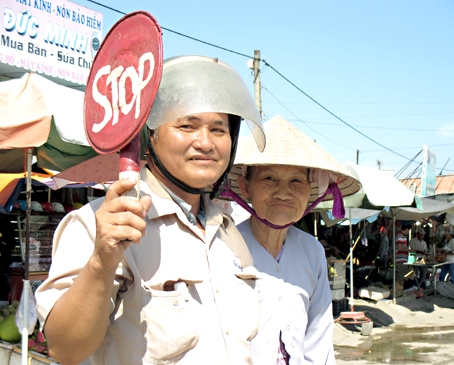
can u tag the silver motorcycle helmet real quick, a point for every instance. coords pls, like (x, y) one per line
(199, 84)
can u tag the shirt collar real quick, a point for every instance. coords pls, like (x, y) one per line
(159, 191)
(186, 208)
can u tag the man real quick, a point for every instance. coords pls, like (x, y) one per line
(166, 279)
(418, 245)
(402, 251)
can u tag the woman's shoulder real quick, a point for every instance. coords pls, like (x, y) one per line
(303, 238)
(300, 233)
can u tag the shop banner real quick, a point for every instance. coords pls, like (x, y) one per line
(56, 38)
(429, 174)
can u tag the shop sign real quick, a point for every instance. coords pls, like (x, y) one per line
(56, 38)
(429, 174)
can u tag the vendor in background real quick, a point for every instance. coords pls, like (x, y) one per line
(330, 250)
(448, 249)
(343, 239)
(418, 245)
(402, 251)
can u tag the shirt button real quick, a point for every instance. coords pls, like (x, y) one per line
(278, 268)
(175, 302)
(227, 332)
(217, 289)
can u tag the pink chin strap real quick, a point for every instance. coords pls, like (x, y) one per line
(333, 189)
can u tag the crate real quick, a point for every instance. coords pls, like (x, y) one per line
(340, 306)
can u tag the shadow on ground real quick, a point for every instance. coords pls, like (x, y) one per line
(427, 304)
(380, 318)
(377, 316)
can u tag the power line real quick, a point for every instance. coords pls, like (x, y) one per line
(380, 103)
(312, 120)
(406, 165)
(107, 7)
(408, 148)
(334, 115)
(302, 121)
(387, 116)
(441, 172)
(275, 70)
(408, 178)
(418, 170)
(180, 34)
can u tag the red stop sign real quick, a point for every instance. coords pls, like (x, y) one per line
(123, 82)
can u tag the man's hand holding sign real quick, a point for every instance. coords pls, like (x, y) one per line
(121, 88)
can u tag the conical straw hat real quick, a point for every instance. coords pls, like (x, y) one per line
(287, 145)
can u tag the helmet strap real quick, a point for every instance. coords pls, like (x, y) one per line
(181, 185)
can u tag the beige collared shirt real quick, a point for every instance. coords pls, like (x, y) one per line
(210, 322)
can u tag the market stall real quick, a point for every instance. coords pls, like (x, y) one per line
(367, 268)
(50, 129)
(379, 190)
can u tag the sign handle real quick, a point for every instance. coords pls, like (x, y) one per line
(130, 165)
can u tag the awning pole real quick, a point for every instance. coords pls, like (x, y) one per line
(352, 309)
(26, 286)
(315, 225)
(394, 255)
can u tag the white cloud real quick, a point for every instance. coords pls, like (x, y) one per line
(446, 130)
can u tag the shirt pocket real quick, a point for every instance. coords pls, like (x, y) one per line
(169, 325)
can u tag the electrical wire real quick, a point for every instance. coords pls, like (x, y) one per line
(408, 179)
(178, 33)
(417, 169)
(334, 115)
(317, 120)
(277, 72)
(300, 120)
(406, 165)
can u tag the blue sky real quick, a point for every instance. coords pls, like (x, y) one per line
(386, 68)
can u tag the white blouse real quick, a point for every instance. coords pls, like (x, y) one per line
(295, 299)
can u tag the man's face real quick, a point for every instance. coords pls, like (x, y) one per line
(195, 149)
(420, 236)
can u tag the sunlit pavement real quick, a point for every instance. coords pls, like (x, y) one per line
(412, 332)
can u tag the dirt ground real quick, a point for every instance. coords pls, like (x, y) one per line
(411, 331)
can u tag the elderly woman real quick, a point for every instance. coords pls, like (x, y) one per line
(296, 320)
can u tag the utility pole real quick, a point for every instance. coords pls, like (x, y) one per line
(257, 89)
(357, 156)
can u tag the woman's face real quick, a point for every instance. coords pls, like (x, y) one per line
(278, 194)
